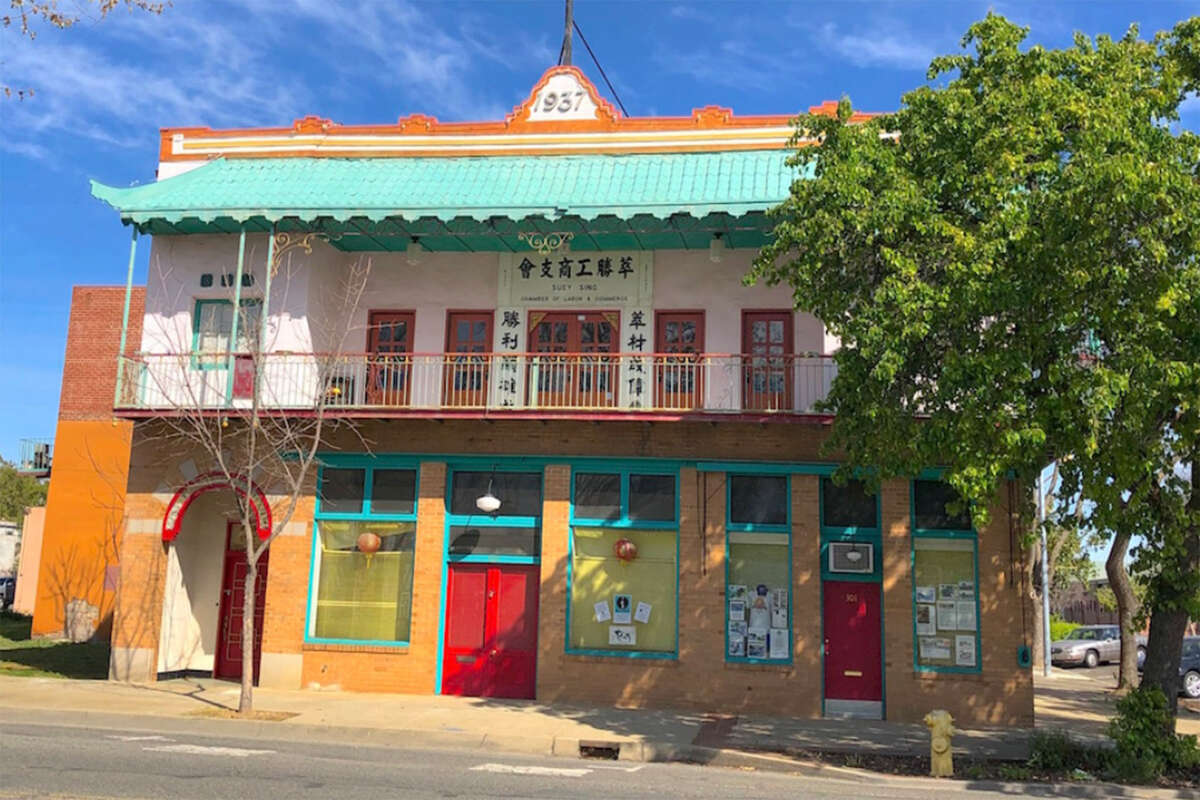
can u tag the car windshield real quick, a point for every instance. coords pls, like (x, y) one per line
(1084, 634)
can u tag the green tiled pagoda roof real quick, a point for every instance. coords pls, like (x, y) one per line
(647, 200)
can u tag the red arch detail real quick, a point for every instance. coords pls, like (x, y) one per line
(211, 481)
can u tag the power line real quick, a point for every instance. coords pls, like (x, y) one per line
(596, 61)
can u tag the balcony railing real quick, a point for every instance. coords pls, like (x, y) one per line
(480, 382)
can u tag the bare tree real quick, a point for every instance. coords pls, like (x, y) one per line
(269, 435)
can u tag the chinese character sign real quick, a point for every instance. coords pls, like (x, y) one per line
(574, 279)
(508, 387)
(637, 336)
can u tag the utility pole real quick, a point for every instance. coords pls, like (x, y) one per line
(1041, 515)
(565, 56)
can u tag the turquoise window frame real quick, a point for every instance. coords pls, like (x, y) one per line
(774, 529)
(971, 536)
(198, 358)
(369, 465)
(482, 520)
(862, 535)
(624, 469)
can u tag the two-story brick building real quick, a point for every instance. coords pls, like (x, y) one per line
(554, 319)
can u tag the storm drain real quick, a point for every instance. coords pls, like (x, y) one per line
(608, 751)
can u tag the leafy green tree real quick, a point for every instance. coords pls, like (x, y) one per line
(18, 493)
(1010, 262)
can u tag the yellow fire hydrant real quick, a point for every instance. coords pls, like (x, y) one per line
(941, 728)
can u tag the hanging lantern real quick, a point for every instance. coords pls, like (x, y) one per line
(625, 550)
(368, 545)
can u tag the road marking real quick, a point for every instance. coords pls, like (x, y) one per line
(195, 749)
(620, 769)
(512, 769)
(141, 738)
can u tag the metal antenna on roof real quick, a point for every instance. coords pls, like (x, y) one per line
(564, 55)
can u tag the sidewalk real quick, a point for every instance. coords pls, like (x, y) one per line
(510, 725)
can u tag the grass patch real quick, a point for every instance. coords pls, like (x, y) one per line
(229, 713)
(26, 657)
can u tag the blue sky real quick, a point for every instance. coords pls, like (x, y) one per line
(103, 88)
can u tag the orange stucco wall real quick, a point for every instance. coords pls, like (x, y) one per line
(84, 510)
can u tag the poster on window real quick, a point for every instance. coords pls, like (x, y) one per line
(947, 615)
(779, 608)
(602, 612)
(756, 643)
(937, 649)
(926, 594)
(622, 635)
(926, 619)
(965, 610)
(777, 641)
(622, 609)
(737, 645)
(642, 613)
(737, 609)
(947, 591)
(964, 651)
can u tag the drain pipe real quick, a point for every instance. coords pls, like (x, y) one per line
(1041, 516)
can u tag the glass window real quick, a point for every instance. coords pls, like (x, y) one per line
(363, 595)
(597, 496)
(342, 490)
(848, 506)
(623, 605)
(946, 603)
(520, 493)
(758, 611)
(393, 491)
(758, 499)
(469, 540)
(652, 498)
(213, 321)
(930, 499)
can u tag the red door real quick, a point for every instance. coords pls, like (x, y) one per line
(677, 378)
(491, 630)
(233, 595)
(853, 652)
(581, 377)
(389, 357)
(465, 377)
(767, 360)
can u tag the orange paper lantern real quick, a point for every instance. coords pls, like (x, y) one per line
(625, 550)
(369, 543)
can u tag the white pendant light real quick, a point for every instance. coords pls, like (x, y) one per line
(716, 248)
(413, 251)
(854, 556)
(487, 502)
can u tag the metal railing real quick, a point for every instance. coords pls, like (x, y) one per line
(36, 455)
(576, 382)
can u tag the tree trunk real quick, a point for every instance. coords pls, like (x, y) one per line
(1118, 581)
(1167, 626)
(246, 698)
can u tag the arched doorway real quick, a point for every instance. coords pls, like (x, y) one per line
(203, 592)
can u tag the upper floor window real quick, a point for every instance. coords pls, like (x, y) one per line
(848, 505)
(213, 323)
(758, 500)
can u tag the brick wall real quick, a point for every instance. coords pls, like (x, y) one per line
(93, 337)
(700, 678)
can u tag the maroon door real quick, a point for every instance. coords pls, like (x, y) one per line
(230, 651)
(491, 630)
(853, 651)
(465, 377)
(583, 376)
(389, 357)
(767, 360)
(677, 377)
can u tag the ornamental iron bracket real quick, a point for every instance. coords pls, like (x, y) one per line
(546, 243)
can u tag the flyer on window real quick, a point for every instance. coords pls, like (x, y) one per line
(622, 609)
(947, 591)
(966, 590)
(926, 620)
(935, 649)
(737, 627)
(779, 608)
(777, 640)
(737, 645)
(622, 635)
(926, 594)
(947, 615)
(737, 609)
(737, 591)
(642, 613)
(602, 612)
(966, 615)
(756, 643)
(964, 651)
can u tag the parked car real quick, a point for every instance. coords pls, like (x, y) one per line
(1189, 667)
(1089, 645)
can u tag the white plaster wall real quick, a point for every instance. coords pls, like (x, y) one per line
(192, 594)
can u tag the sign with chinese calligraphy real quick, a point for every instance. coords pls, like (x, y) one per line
(593, 280)
(637, 336)
(508, 385)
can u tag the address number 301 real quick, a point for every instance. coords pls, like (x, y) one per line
(562, 102)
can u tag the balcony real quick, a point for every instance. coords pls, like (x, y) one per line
(604, 385)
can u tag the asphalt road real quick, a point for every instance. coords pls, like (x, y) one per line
(43, 760)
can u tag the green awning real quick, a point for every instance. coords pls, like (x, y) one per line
(467, 204)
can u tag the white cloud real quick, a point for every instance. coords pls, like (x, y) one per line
(878, 48)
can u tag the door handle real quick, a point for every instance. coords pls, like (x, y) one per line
(493, 654)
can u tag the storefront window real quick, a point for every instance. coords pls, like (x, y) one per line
(945, 587)
(931, 502)
(363, 555)
(623, 596)
(758, 574)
